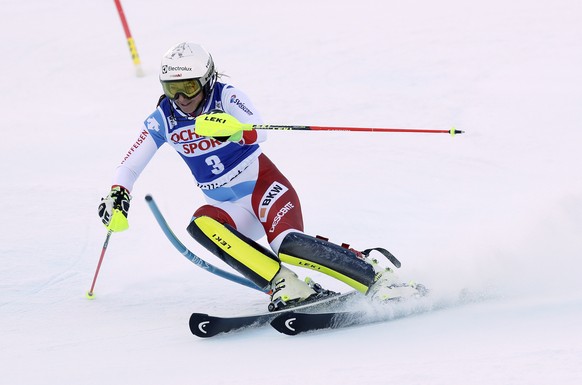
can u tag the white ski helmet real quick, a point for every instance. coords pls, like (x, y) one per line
(186, 61)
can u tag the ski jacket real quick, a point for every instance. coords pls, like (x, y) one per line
(213, 163)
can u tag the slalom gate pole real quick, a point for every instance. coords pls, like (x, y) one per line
(132, 49)
(89, 294)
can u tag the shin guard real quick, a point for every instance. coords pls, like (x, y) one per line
(333, 260)
(244, 255)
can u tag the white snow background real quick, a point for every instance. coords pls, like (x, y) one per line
(496, 211)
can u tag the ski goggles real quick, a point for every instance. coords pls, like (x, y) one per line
(188, 87)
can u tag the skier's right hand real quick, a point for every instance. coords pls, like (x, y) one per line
(113, 209)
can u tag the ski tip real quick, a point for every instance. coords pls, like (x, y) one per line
(148, 198)
(199, 324)
(285, 323)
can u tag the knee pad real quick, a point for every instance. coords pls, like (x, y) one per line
(303, 250)
(244, 255)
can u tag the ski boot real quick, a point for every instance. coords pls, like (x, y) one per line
(387, 287)
(289, 291)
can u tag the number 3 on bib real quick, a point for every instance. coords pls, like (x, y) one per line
(214, 162)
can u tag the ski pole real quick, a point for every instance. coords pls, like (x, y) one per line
(89, 294)
(189, 254)
(222, 124)
(452, 131)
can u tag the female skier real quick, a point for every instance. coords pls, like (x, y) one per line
(247, 197)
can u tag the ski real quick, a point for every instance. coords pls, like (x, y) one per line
(296, 321)
(293, 322)
(205, 325)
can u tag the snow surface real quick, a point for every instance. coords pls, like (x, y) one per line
(496, 211)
